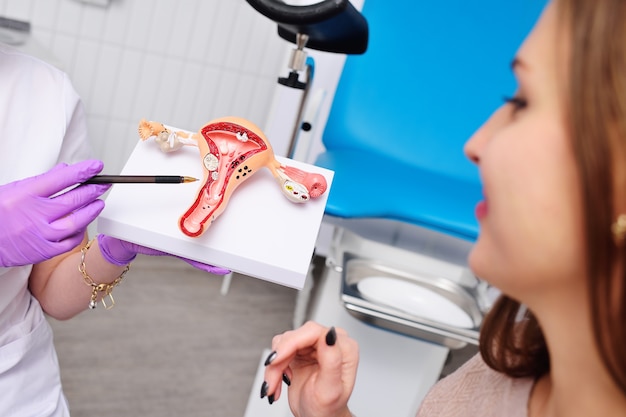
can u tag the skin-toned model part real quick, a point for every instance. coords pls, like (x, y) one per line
(232, 149)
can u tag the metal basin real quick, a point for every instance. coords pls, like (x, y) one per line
(427, 307)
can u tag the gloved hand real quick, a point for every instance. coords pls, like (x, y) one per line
(36, 224)
(120, 252)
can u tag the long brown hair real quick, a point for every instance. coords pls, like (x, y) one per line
(596, 114)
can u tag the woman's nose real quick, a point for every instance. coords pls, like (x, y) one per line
(471, 147)
(474, 146)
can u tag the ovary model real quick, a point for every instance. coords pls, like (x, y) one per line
(231, 151)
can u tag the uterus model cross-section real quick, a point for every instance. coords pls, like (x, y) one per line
(232, 150)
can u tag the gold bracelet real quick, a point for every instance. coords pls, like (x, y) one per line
(107, 289)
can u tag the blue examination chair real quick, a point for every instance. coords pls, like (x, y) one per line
(433, 72)
(419, 78)
(403, 195)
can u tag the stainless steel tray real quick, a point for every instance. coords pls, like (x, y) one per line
(379, 311)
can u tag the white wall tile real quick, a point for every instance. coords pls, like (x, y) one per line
(43, 36)
(226, 94)
(116, 141)
(69, 16)
(238, 46)
(19, 9)
(275, 58)
(225, 26)
(44, 13)
(83, 69)
(147, 89)
(259, 46)
(64, 48)
(186, 99)
(259, 102)
(92, 22)
(162, 26)
(204, 29)
(97, 134)
(125, 91)
(141, 18)
(183, 23)
(117, 22)
(165, 97)
(106, 73)
(243, 95)
(206, 98)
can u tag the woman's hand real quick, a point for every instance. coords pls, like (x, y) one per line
(39, 220)
(318, 364)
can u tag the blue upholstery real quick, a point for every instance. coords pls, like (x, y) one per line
(433, 73)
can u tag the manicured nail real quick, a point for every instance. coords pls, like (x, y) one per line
(286, 380)
(331, 336)
(264, 388)
(270, 358)
(270, 399)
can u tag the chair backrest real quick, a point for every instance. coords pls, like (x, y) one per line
(433, 72)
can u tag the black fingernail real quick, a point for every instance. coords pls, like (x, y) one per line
(270, 399)
(286, 380)
(270, 358)
(264, 388)
(331, 336)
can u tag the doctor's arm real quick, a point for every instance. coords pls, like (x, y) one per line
(60, 286)
(43, 222)
(71, 282)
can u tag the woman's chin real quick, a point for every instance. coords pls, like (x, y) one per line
(478, 259)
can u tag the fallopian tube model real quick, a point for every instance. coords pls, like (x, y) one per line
(232, 149)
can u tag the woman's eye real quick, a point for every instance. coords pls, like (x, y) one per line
(518, 103)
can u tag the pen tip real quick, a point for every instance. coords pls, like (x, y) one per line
(189, 179)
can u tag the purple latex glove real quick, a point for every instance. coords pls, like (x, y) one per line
(36, 224)
(120, 252)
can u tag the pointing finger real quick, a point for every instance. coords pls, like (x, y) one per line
(63, 176)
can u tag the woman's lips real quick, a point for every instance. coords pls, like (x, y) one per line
(481, 209)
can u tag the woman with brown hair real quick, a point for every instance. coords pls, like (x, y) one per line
(552, 161)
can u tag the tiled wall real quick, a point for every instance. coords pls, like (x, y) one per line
(182, 62)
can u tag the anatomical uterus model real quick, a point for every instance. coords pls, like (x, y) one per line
(232, 150)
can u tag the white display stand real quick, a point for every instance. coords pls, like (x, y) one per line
(260, 233)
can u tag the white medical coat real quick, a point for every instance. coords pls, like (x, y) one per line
(42, 123)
